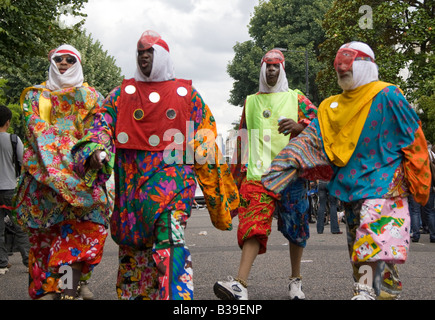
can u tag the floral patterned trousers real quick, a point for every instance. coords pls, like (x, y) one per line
(161, 272)
(72, 241)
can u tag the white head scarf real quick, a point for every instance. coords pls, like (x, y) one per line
(280, 86)
(73, 77)
(364, 71)
(162, 70)
(273, 56)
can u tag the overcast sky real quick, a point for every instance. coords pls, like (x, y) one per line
(201, 35)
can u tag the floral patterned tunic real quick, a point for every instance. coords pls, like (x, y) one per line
(49, 191)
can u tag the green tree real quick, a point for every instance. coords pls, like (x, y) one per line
(426, 109)
(99, 67)
(400, 33)
(16, 122)
(29, 29)
(244, 69)
(293, 25)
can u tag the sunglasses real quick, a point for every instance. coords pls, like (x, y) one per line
(69, 59)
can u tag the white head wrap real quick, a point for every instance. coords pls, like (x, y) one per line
(364, 71)
(273, 56)
(73, 77)
(162, 70)
(280, 86)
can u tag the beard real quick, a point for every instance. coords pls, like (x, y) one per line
(345, 81)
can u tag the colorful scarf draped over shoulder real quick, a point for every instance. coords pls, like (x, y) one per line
(342, 118)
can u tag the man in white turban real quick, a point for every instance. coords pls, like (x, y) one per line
(66, 217)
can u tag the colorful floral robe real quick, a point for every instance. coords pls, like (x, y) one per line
(145, 184)
(148, 189)
(52, 201)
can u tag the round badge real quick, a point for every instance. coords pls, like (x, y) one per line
(138, 114)
(334, 105)
(122, 137)
(130, 89)
(267, 113)
(154, 140)
(154, 97)
(182, 91)
(266, 138)
(259, 164)
(178, 138)
(171, 114)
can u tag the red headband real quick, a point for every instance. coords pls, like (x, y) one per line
(163, 44)
(274, 56)
(71, 53)
(150, 38)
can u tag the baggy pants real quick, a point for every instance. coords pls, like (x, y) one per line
(161, 272)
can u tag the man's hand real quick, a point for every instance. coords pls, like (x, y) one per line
(97, 159)
(289, 126)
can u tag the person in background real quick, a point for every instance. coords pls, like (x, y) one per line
(325, 197)
(8, 183)
(428, 210)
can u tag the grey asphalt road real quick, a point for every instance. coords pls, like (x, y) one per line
(326, 269)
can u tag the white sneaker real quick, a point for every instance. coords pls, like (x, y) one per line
(84, 291)
(230, 290)
(295, 289)
(3, 270)
(363, 292)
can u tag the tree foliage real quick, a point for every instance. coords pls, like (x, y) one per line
(400, 33)
(28, 31)
(31, 28)
(16, 123)
(426, 109)
(99, 68)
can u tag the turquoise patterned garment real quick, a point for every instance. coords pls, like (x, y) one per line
(378, 154)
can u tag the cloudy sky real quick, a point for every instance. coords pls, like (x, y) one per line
(200, 33)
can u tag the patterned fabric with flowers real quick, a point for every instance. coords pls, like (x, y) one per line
(146, 183)
(65, 243)
(49, 191)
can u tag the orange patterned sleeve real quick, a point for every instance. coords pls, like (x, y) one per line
(213, 174)
(417, 169)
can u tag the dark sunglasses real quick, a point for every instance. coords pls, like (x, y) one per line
(69, 59)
